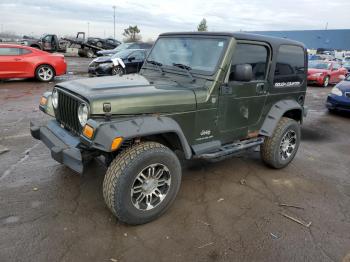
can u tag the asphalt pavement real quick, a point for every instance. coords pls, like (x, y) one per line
(235, 210)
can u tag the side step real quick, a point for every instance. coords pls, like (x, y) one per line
(231, 149)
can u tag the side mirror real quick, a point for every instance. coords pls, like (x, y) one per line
(131, 58)
(243, 73)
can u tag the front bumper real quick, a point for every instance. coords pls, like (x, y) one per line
(315, 79)
(64, 147)
(340, 103)
(98, 71)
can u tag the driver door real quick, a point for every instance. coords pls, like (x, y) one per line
(241, 102)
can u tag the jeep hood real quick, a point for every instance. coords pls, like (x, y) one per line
(132, 94)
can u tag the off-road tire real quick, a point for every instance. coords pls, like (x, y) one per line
(121, 175)
(270, 149)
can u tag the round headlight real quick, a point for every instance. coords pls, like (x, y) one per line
(83, 113)
(54, 98)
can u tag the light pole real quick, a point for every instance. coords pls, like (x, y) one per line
(114, 19)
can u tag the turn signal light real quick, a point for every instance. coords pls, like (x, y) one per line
(43, 101)
(88, 131)
(116, 143)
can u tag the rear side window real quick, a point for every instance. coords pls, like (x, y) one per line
(255, 55)
(290, 66)
(10, 51)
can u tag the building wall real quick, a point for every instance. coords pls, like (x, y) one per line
(333, 39)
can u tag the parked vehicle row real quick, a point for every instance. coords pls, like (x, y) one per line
(324, 73)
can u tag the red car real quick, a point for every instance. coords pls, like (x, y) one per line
(17, 61)
(324, 73)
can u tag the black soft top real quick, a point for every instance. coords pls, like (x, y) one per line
(274, 41)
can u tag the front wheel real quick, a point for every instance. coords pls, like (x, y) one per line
(279, 150)
(142, 182)
(117, 70)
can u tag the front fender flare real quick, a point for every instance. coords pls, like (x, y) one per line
(135, 127)
(275, 114)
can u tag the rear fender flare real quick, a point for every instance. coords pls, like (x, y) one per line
(275, 114)
(134, 128)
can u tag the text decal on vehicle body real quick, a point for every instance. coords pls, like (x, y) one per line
(287, 84)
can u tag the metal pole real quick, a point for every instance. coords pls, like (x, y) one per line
(114, 19)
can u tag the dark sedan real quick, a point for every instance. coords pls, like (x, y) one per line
(124, 46)
(339, 98)
(125, 62)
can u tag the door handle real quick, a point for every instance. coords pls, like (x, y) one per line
(260, 88)
(18, 59)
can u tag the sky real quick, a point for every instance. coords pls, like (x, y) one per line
(63, 17)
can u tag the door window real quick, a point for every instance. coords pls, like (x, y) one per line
(139, 55)
(255, 55)
(290, 66)
(336, 67)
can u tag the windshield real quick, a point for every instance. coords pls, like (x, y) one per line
(319, 65)
(123, 54)
(122, 46)
(196, 53)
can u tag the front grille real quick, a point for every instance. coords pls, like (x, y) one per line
(347, 94)
(67, 111)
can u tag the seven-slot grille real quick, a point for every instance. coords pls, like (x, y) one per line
(67, 111)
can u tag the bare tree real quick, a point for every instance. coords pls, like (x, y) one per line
(202, 27)
(132, 34)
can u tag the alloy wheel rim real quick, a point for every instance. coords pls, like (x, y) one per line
(150, 187)
(326, 82)
(45, 73)
(288, 144)
(117, 71)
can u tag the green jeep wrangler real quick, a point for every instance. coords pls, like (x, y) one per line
(199, 95)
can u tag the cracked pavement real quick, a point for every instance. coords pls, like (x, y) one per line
(227, 211)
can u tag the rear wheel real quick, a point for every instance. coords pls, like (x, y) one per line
(279, 150)
(142, 182)
(45, 73)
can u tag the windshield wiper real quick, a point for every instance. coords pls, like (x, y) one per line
(187, 69)
(157, 64)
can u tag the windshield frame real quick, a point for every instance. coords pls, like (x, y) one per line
(170, 68)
